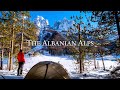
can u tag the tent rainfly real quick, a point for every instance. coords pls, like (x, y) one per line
(47, 70)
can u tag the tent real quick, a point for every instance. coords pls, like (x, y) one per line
(47, 70)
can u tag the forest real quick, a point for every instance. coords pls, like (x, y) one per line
(101, 28)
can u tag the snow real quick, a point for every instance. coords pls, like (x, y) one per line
(72, 68)
(64, 24)
(11, 77)
(66, 61)
(69, 64)
(6, 74)
(41, 22)
(38, 47)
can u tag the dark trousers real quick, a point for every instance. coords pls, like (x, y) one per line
(20, 68)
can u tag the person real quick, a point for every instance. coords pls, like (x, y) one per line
(21, 61)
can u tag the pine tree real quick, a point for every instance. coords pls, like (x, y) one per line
(16, 32)
(78, 33)
(4, 33)
(109, 19)
(108, 29)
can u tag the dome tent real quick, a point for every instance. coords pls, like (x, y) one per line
(47, 70)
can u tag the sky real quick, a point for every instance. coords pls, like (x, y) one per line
(53, 16)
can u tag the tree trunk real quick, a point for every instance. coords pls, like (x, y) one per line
(103, 62)
(117, 23)
(22, 34)
(21, 42)
(83, 66)
(94, 60)
(2, 59)
(8, 60)
(98, 65)
(11, 54)
(80, 59)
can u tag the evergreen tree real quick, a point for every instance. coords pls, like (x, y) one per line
(79, 33)
(17, 31)
(107, 19)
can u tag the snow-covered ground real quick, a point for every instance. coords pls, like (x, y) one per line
(69, 64)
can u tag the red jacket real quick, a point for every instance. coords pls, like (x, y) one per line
(20, 57)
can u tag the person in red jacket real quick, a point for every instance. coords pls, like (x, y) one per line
(21, 61)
